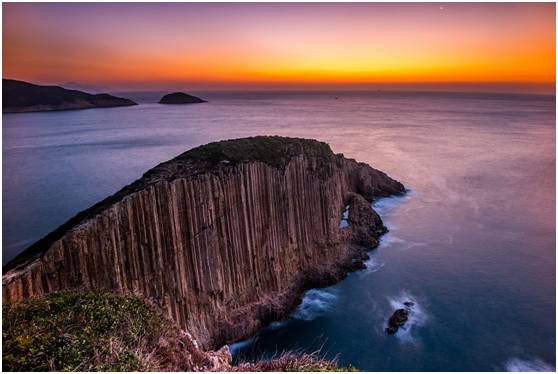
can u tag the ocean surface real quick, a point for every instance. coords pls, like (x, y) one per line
(472, 243)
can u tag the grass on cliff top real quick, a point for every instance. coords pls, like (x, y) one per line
(273, 150)
(102, 331)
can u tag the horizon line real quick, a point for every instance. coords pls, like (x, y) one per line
(543, 87)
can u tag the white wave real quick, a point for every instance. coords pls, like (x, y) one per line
(384, 205)
(517, 364)
(417, 316)
(315, 303)
(277, 325)
(235, 347)
(372, 266)
(389, 239)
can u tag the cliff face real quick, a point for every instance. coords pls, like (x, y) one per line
(20, 97)
(224, 237)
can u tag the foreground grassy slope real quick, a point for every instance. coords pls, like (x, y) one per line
(100, 331)
(71, 331)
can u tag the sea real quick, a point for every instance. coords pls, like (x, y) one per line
(472, 244)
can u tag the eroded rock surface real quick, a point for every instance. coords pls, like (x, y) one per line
(225, 237)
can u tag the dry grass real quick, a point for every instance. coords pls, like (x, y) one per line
(292, 362)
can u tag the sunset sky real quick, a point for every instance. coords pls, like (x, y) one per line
(146, 46)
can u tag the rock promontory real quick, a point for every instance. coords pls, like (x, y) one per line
(180, 98)
(225, 237)
(20, 97)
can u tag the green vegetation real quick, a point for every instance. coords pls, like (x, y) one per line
(82, 331)
(273, 150)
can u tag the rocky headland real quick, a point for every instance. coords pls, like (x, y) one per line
(180, 98)
(224, 238)
(20, 97)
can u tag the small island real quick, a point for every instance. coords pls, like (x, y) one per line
(21, 97)
(180, 98)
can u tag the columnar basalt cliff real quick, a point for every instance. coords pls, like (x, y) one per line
(224, 237)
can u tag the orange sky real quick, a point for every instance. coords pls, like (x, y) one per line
(155, 46)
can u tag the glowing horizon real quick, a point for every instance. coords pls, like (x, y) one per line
(258, 45)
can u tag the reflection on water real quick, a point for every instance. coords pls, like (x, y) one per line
(473, 242)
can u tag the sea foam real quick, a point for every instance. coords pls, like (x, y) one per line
(315, 303)
(516, 364)
(385, 205)
(234, 348)
(372, 266)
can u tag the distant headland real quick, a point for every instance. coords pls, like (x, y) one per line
(20, 97)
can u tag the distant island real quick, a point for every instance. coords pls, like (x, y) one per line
(20, 97)
(180, 98)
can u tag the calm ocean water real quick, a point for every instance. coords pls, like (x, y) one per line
(473, 243)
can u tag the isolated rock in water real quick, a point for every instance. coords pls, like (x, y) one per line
(20, 97)
(397, 319)
(180, 98)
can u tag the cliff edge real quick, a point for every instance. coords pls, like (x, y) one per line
(224, 238)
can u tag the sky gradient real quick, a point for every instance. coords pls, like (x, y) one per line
(143, 46)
